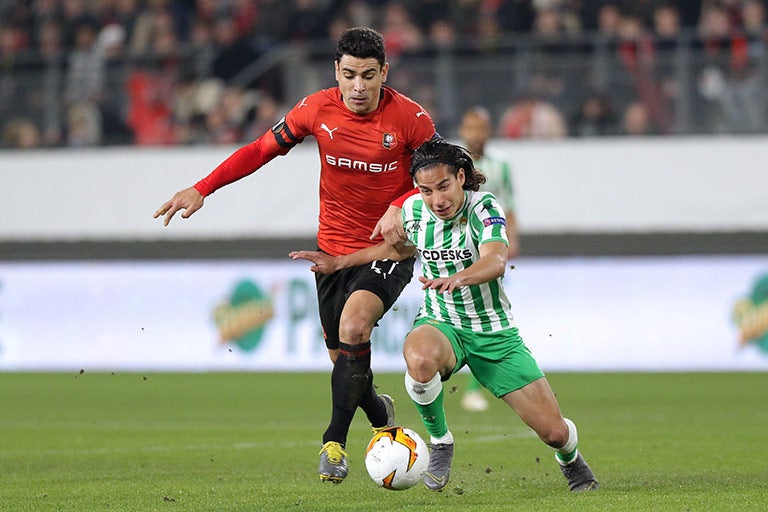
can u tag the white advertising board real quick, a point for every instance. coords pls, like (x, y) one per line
(585, 314)
(615, 185)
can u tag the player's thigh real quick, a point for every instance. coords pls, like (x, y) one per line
(361, 312)
(501, 361)
(536, 405)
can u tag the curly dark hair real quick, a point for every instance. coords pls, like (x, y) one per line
(439, 151)
(363, 43)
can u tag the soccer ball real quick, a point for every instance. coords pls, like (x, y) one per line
(396, 457)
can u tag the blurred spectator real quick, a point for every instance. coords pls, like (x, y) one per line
(266, 114)
(84, 85)
(548, 25)
(150, 116)
(595, 118)
(125, 13)
(337, 26)
(73, 15)
(202, 49)
(274, 24)
(234, 53)
(45, 12)
(730, 82)
(360, 13)
(12, 42)
(754, 20)
(20, 134)
(515, 16)
(158, 19)
(164, 40)
(310, 19)
(489, 33)
(51, 50)
(399, 30)
(609, 20)
(84, 124)
(532, 118)
(666, 26)
(667, 31)
(46, 68)
(636, 121)
(442, 33)
(244, 14)
(85, 67)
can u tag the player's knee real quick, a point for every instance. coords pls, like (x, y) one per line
(355, 330)
(422, 359)
(554, 433)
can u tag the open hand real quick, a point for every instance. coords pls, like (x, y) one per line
(189, 200)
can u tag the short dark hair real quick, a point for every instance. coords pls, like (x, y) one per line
(438, 151)
(363, 43)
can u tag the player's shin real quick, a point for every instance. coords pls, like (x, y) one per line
(372, 405)
(428, 398)
(349, 381)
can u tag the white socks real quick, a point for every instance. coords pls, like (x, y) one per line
(568, 452)
(423, 393)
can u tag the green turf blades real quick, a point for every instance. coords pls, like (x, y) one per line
(202, 442)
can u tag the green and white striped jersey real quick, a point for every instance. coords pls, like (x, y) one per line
(447, 247)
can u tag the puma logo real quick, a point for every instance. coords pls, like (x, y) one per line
(303, 102)
(330, 132)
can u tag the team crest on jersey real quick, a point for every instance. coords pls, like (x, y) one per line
(388, 140)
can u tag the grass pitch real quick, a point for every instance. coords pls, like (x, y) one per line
(250, 441)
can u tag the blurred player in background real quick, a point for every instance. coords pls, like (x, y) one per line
(475, 130)
(366, 133)
(465, 318)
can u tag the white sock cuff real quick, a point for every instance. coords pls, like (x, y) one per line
(573, 437)
(423, 393)
(446, 439)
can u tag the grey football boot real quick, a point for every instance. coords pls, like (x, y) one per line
(579, 475)
(439, 469)
(333, 463)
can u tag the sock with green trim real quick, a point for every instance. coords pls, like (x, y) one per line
(569, 451)
(428, 398)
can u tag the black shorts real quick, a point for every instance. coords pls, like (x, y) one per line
(384, 278)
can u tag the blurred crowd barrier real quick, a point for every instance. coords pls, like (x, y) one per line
(582, 84)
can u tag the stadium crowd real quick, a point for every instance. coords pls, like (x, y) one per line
(165, 72)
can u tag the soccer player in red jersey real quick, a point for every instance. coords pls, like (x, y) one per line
(366, 133)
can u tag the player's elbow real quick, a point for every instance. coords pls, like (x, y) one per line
(497, 266)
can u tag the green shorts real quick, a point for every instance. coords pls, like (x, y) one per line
(500, 360)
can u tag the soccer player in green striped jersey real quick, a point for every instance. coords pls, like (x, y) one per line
(465, 319)
(475, 130)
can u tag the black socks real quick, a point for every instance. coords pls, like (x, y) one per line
(352, 386)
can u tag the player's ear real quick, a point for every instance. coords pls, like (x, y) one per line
(384, 72)
(336, 69)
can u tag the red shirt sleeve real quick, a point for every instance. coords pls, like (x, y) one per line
(241, 163)
(400, 200)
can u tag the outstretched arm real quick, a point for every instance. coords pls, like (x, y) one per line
(390, 225)
(326, 264)
(490, 265)
(239, 164)
(189, 200)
